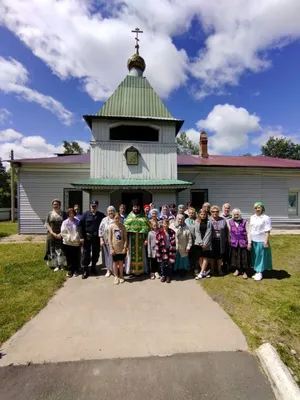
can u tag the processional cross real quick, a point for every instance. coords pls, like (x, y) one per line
(137, 31)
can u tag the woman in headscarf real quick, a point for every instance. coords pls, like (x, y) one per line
(54, 252)
(153, 214)
(226, 214)
(219, 237)
(165, 212)
(104, 239)
(238, 241)
(203, 241)
(72, 239)
(184, 243)
(180, 210)
(260, 229)
(166, 250)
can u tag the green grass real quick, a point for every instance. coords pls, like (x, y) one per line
(267, 311)
(8, 228)
(26, 285)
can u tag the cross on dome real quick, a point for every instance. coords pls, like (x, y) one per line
(137, 31)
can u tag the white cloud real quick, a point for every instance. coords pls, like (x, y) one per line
(276, 132)
(29, 146)
(5, 116)
(13, 79)
(76, 41)
(240, 32)
(91, 40)
(194, 135)
(8, 135)
(230, 127)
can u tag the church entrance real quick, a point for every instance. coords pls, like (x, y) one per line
(126, 196)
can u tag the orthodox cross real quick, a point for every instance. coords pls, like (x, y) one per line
(137, 31)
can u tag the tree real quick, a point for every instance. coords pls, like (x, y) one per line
(72, 148)
(185, 145)
(4, 187)
(247, 154)
(281, 148)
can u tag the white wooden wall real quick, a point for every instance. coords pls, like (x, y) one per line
(38, 187)
(163, 197)
(242, 188)
(157, 160)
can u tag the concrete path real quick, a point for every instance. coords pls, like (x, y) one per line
(94, 319)
(206, 376)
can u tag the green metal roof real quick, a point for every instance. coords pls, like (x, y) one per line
(134, 98)
(132, 183)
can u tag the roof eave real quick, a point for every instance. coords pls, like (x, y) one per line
(89, 119)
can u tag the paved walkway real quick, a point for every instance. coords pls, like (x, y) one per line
(209, 376)
(94, 319)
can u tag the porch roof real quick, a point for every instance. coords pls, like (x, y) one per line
(93, 183)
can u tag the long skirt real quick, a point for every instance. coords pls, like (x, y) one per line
(216, 249)
(239, 258)
(136, 262)
(108, 260)
(261, 257)
(54, 251)
(181, 263)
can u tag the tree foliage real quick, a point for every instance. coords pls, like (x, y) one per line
(72, 148)
(4, 187)
(281, 148)
(185, 145)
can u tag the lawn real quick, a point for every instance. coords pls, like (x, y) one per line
(267, 311)
(26, 285)
(8, 228)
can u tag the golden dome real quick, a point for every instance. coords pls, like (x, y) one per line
(136, 61)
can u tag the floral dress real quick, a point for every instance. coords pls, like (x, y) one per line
(54, 246)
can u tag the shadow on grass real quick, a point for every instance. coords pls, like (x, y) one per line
(276, 274)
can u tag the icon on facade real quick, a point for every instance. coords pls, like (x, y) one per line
(132, 156)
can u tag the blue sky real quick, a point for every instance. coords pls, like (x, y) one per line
(229, 69)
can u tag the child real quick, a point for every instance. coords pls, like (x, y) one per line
(166, 250)
(118, 245)
(153, 264)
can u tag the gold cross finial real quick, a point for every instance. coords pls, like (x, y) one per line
(137, 31)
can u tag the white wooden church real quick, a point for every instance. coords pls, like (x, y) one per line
(134, 155)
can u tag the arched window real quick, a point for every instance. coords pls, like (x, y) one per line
(134, 133)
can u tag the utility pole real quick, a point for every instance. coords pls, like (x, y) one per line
(12, 187)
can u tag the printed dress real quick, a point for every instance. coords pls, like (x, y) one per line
(104, 234)
(54, 247)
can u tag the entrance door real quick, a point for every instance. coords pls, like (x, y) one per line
(142, 197)
(198, 198)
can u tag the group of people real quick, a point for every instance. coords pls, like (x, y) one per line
(160, 242)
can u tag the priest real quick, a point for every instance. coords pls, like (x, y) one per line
(137, 226)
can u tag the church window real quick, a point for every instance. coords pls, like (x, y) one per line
(134, 133)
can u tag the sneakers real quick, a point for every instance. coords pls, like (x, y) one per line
(56, 269)
(258, 276)
(200, 276)
(76, 273)
(108, 274)
(121, 280)
(152, 276)
(116, 280)
(69, 275)
(157, 276)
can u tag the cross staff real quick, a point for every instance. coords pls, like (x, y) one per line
(137, 31)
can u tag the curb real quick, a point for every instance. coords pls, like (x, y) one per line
(283, 384)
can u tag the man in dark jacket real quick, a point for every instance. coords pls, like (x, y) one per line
(90, 222)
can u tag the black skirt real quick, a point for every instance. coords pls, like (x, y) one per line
(216, 249)
(202, 253)
(239, 258)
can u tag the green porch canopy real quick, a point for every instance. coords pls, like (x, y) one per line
(132, 184)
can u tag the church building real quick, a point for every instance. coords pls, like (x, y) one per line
(133, 155)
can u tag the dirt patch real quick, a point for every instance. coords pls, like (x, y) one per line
(23, 239)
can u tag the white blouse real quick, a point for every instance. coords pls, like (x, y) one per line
(259, 224)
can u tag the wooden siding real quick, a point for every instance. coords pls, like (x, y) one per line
(100, 129)
(103, 198)
(156, 161)
(242, 188)
(161, 197)
(37, 188)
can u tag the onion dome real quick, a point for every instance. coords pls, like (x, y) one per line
(136, 62)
